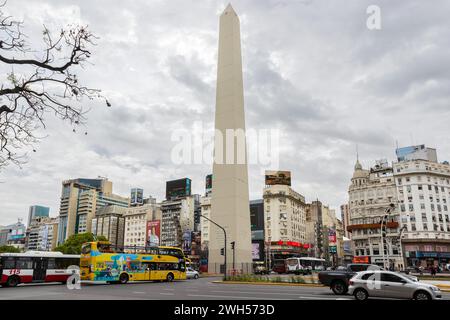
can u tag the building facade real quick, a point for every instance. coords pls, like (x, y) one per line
(257, 229)
(314, 229)
(284, 221)
(80, 200)
(37, 211)
(109, 222)
(423, 189)
(371, 193)
(177, 218)
(42, 234)
(13, 235)
(345, 218)
(137, 223)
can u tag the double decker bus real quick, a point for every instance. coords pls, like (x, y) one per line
(36, 266)
(100, 261)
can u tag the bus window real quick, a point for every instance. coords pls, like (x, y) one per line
(64, 263)
(51, 263)
(104, 247)
(24, 263)
(86, 248)
(9, 263)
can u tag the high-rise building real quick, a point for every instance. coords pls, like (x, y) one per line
(13, 235)
(42, 234)
(371, 193)
(110, 223)
(423, 191)
(80, 200)
(230, 194)
(285, 221)
(345, 218)
(257, 228)
(178, 218)
(315, 229)
(142, 225)
(37, 211)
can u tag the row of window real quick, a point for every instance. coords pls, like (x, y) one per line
(30, 263)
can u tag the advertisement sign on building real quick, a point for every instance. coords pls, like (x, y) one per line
(255, 251)
(187, 242)
(331, 235)
(178, 188)
(153, 232)
(278, 177)
(137, 196)
(208, 184)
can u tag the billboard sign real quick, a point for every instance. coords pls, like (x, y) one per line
(208, 184)
(137, 196)
(255, 251)
(187, 242)
(331, 235)
(153, 232)
(332, 249)
(178, 188)
(278, 178)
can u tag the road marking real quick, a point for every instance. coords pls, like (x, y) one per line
(247, 292)
(316, 297)
(167, 294)
(169, 289)
(230, 297)
(139, 292)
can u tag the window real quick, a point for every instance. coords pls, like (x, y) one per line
(51, 264)
(24, 263)
(366, 276)
(9, 263)
(387, 277)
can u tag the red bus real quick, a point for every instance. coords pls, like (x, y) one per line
(35, 266)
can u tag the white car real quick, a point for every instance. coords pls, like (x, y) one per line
(388, 284)
(192, 274)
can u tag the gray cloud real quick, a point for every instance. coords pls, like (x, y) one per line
(311, 68)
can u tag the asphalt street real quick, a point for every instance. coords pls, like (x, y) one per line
(201, 289)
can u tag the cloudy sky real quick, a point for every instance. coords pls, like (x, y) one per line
(312, 69)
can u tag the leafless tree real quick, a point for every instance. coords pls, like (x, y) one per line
(39, 82)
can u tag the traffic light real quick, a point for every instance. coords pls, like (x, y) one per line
(222, 251)
(232, 245)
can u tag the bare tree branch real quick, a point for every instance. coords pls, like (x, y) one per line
(39, 85)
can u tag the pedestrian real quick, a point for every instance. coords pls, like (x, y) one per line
(433, 271)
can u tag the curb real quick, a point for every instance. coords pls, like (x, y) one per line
(272, 283)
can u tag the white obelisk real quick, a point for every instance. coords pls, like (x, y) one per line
(230, 195)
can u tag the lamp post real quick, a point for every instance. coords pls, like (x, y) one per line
(383, 231)
(402, 230)
(225, 244)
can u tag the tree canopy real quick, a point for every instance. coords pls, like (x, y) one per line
(40, 82)
(73, 244)
(9, 249)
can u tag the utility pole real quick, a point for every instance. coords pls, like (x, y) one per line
(225, 244)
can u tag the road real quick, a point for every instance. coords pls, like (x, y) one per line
(201, 289)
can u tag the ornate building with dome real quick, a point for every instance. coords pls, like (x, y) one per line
(371, 193)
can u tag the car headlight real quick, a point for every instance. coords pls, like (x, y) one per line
(435, 288)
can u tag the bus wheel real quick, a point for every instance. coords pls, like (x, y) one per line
(169, 277)
(123, 278)
(13, 281)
